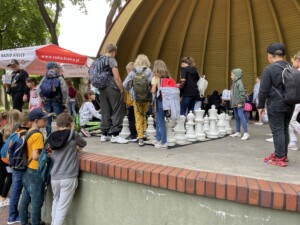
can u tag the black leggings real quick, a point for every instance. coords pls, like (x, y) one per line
(5, 179)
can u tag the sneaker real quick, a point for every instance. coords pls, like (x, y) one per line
(270, 140)
(236, 134)
(258, 123)
(141, 142)
(131, 138)
(85, 132)
(118, 139)
(293, 147)
(278, 162)
(273, 157)
(14, 221)
(145, 136)
(4, 203)
(245, 137)
(156, 144)
(104, 138)
(161, 146)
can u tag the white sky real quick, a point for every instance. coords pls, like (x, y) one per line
(82, 33)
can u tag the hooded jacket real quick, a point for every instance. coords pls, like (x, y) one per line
(238, 96)
(63, 144)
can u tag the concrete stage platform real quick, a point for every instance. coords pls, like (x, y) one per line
(228, 155)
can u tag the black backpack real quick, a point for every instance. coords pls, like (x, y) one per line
(100, 72)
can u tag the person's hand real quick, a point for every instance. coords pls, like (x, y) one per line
(261, 111)
(25, 98)
(239, 106)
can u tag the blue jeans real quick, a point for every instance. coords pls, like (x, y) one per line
(71, 106)
(240, 117)
(187, 104)
(33, 192)
(16, 190)
(52, 106)
(161, 134)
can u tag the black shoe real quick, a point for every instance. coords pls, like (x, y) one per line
(131, 138)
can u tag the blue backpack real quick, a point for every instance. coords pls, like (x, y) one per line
(50, 87)
(45, 165)
(18, 156)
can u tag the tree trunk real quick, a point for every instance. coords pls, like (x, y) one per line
(109, 19)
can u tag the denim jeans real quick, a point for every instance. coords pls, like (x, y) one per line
(33, 192)
(71, 106)
(161, 134)
(52, 106)
(187, 104)
(16, 190)
(280, 116)
(240, 118)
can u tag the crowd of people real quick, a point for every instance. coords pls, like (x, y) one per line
(146, 91)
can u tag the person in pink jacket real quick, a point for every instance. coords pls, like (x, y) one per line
(35, 100)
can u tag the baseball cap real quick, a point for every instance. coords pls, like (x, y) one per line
(276, 49)
(51, 65)
(13, 62)
(37, 114)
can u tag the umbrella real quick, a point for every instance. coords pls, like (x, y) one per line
(34, 59)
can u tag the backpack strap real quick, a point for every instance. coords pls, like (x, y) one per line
(28, 135)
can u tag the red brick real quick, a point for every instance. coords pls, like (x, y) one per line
(140, 172)
(253, 192)
(296, 188)
(210, 185)
(278, 195)
(231, 188)
(100, 165)
(190, 184)
(265, 194)
(125, 169)
(181, 180)
(221, 186)
(163, 177)
(111, 167)
(172, 178)
(155, 176)
(200, 183)
(132, 171)
(94, 163)
(290, 197)
(147, 174)
(118, 168)
(105, 163)
(88, 161)
(82, 164)
(242, 190)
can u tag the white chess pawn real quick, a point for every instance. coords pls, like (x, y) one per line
(221, 125)
(206, 124)
(179, 131)
(227, 124)
(190, 133)
(125, 130)
(213, 116)
(150, 128)
(199, 125)
(171, 141)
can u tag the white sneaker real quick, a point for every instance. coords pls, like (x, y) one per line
(293, 146)
(258, 123)
(236, 134)
(245, 137)
(104, 138)
(162, 146)
(4, 203)
(270, 140)
(118, 139)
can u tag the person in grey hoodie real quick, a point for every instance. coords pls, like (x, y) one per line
(238, 98)
(64, 144)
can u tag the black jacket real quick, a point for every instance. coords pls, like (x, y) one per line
(18, 82)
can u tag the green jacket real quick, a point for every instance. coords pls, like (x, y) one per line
(237, 89)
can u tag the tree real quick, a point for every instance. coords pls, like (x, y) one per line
(115, 6)
(51, 19)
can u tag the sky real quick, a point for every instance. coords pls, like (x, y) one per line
(82, 33)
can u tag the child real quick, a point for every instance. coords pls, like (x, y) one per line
(35, 100)
(72, 100)
(129, 105)
(238, 102)
(87, 112)
(141, 66)
(33, 185)
(17, 185)
(64, 181)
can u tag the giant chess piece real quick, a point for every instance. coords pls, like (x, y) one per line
(171, 141)
(213, 116)
(190, 133)
(150, 128)
(206, 124)
(221, 125)
(227, 124)
(199, 125)
(180, 131)
(125, 132)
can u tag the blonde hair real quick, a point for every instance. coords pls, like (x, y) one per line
(141, 61)
(130, 66)
(160, 69)
(111, 48)
(13, 118)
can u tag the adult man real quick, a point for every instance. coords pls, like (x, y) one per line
(111, 101)
(279, 113)
(18, 88)
(56, 100)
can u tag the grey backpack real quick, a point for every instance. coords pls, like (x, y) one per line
(100, 72)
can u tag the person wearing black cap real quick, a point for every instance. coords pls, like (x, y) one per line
(18, 88)
(279, 113)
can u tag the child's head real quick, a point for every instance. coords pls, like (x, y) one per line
(160, 69)
(31, 82)
(69, 82)
(236, 74)
(130, 67)
(89, 95)
(141, 61)
(24, 120)
(38, 118)
(64, 120)
(13, 118)
(187, 61)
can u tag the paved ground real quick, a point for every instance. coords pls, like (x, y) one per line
(227, 155)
